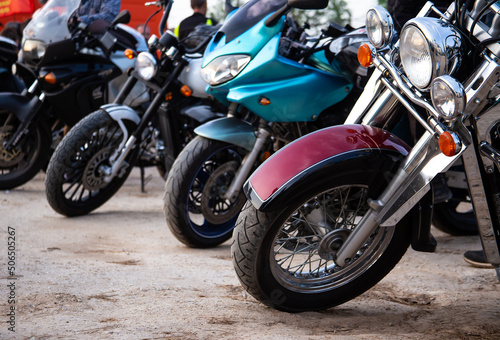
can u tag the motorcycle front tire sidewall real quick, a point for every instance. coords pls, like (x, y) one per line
(178, 187)
(58, 164)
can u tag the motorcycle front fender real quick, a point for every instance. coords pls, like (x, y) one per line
(20, 105)
(285, 174)
(230, 130)
(121, 112)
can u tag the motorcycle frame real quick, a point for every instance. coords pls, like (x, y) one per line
(167, 118)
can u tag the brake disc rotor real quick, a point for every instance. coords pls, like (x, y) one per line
(93, 178)
(8, 158)
(215, 208)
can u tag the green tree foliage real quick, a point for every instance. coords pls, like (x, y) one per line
(382, 3)
(337, 11)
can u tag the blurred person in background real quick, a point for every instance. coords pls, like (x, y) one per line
(198, 18)
(92, 10)
(403, 10)
(144, 30)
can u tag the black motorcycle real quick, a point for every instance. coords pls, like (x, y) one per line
(69, 70)
(94, 159)
(8, 56)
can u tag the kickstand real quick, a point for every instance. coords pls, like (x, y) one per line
(144, 180)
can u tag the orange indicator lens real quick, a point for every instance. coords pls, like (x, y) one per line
(365, 56)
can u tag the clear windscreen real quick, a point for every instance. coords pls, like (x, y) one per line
(50, 23)
(248, 15)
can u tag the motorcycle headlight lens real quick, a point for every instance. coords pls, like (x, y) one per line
(416, 57)
(145, 65)
(379, 26)
(448, 97)
(224, 68)
(429, 48)
(34, 49)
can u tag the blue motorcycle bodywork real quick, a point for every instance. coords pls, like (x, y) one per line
(297, 92)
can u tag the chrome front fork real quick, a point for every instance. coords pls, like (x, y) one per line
(246, 165)
(410, 183)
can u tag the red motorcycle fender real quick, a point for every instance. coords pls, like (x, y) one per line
(282, 173)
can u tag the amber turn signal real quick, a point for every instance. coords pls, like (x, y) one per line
(449, 144)
(365, 56)
(50, 78)
(265, 156)
(130, 54)
(264, 101)
(186, 91)
(168, 96)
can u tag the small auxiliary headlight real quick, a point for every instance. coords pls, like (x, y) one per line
(448, 97)
(379, 26)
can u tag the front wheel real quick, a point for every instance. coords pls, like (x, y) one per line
(456, 216)
(76, 183)
(195, 208)
(285, 258)
(20, 164)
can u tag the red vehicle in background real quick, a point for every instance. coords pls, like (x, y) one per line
(21, 10)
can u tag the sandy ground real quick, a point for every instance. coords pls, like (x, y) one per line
(118, 273)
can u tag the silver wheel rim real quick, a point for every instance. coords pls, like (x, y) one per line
(295, 259)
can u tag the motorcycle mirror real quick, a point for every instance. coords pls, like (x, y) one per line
(228, 7)
(122, 18)
(308, 4)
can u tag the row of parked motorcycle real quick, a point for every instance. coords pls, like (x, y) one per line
(343, 142)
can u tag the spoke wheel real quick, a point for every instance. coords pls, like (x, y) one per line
(285, 257)
(77, 174)
(303, 250)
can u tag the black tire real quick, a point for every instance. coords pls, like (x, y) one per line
(197, 219)
(86, 146)
(24, 162)
(262, 240)
(456, 216)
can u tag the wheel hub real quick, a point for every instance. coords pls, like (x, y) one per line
(214, 206)
(93, 177)
(331, 243)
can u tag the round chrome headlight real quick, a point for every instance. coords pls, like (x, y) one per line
(448, 97)
(145, 65)
(429, 48)
(379, 26)
(224, 68)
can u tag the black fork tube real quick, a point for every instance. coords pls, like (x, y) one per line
(158, 100)
(125, 90)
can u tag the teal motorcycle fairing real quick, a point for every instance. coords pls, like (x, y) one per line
(230, 130)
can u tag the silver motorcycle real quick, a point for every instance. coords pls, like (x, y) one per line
(323, 227)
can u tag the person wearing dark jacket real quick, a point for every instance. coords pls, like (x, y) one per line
(198, 18)
(92, 10)
(404, 10)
